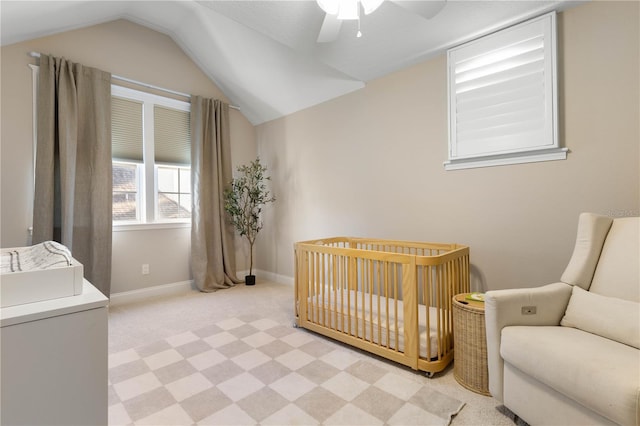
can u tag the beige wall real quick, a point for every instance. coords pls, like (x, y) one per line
(370, 163)
(127, 50)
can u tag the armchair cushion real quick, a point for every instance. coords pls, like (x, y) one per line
(592, 232)
(503, 308)
(595, 372)
(609, 317)
(618, 270)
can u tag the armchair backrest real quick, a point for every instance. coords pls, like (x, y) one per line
(606, 256)
(618, 270)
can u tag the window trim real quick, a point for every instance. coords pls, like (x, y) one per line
(544, 151)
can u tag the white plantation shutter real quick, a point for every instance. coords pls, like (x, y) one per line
(126, 129)
(502, 97)
(172, 135)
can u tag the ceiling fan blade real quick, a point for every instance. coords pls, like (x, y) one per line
(425, 8)
(330, 29)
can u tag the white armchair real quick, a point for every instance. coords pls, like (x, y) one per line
(568, 353)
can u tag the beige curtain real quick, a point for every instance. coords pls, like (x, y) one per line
(213, 261)
(72, 202)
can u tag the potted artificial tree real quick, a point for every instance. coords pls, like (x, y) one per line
(243, 201)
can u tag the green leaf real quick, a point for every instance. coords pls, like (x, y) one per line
(244, 199)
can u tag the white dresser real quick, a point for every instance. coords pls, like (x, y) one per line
(54, 361)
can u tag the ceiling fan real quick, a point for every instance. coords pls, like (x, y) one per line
(340, 10)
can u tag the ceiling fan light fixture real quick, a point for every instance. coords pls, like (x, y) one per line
(348, 9)
(332, 7)
(370, 5)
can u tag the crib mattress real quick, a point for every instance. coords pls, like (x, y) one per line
(374, 319)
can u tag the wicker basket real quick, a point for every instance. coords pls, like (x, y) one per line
(470, 343)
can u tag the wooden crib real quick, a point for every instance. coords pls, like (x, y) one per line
(391, 298)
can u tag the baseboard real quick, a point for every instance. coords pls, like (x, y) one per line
(132, 296)
(148, 292)
(271, 276)
(266, 275)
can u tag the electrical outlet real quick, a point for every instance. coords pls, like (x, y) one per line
(528, 310)
(145, 269)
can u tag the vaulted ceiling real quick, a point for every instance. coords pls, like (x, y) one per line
(264, 54)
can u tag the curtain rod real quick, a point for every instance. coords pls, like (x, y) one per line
(140, 83)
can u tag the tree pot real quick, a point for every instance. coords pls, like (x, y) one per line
(250, 279)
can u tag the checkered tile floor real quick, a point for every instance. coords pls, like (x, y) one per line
(256, 371)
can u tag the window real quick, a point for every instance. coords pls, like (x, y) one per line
(126, 187)
(174, 192)
(502, 97)
(151, 158)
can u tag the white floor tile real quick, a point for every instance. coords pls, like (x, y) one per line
(182, 339)
(118, 415)
(188, 386)
(162, 359)
(410, 415)
(340, 358)
(398, 386)
(295, 359)
(345, 386)
(123, 357)
(264, 324)
(231, 415)
(258, 339)
(251, 359)
(292, 386)
(230, 323)
(206, 359)
(297, 339)
(240, 386)
(289, 415)
(136, 386)
(350, 415)
(170, 416)
(220, 339)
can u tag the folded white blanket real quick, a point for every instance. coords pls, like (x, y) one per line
(46, 255)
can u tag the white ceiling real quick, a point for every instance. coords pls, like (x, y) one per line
(263, 54)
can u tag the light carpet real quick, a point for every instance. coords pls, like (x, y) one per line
(234, 357)
(253, 370)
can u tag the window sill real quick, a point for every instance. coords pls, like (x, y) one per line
(505, 159)
(149, 226)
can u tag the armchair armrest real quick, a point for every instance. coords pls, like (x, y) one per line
(539, 306)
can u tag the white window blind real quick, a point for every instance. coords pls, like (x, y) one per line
(126, 129)
(172, 135)
(502, 97)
